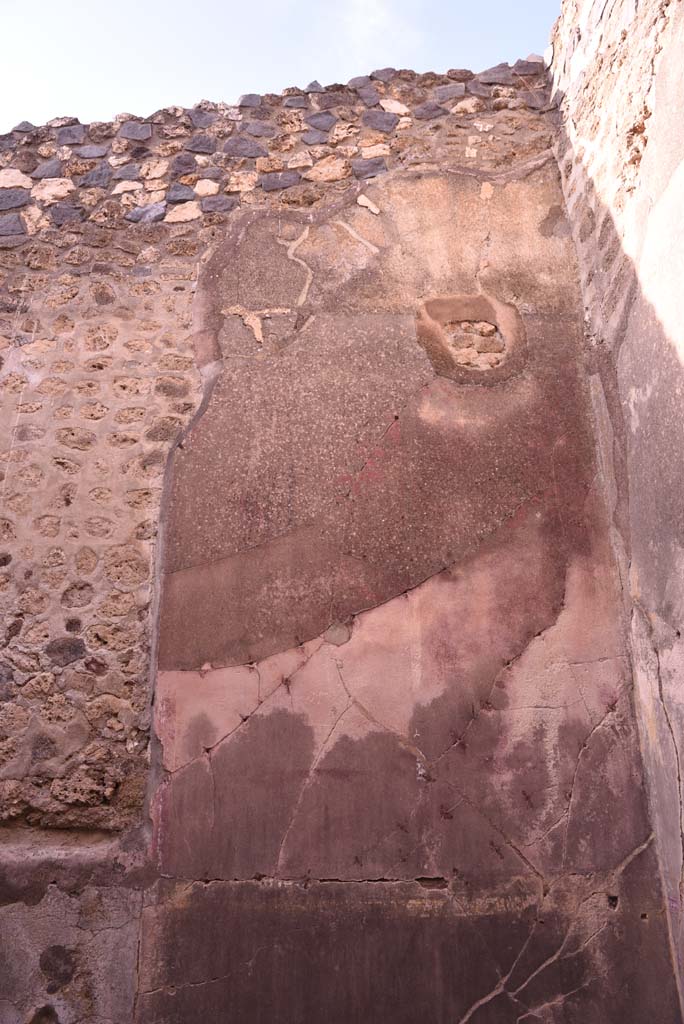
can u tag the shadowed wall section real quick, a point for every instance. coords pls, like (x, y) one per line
(618, 80)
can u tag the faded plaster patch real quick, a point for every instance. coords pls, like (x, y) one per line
(292, 247)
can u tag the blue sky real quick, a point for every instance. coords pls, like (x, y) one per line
(88, 61)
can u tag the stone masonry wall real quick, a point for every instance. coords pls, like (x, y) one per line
(102, 228)
(315, 696)
(618, 77)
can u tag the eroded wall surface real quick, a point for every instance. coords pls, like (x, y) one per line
(299, 445)
(618, 74)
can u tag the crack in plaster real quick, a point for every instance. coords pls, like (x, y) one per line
(404, 740)
(285, 681)
(558, 1001)
(499, 831)
(500, 987)
(611, 711)
(559, 952)
(507, 666)
(483, 262)
(305, 785)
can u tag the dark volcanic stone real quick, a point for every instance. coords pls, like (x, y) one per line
(147, 214)
(368, 168)
(278, 180)
(138, 131)
(314, 87)
(369, 95)
(327, 100)
(71, 135)
(250, 99)
(528, 67)
(428, 111)
(179, 193)
(260, 129)
(380, 120)
(48, 169)
(314, 138)
(99, 177)
(66, 213)
(239, 145)
(90, 152)
(384, 74)
(13, 198)
(201, 144)
(299, 102)
(24, 126)
(6, 142)
(12, 224)
(534, 100)
(129, 172)
(25, 160)
(184, 163)
(213, 173)
(358, 82)
(499, 75)
(201, 118)
(476, 88)
(321, 120)
(218, 204)
(64, 651)
(445, 93)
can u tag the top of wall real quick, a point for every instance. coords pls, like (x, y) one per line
(180, 165)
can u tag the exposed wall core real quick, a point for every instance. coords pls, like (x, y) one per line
(447, 327)
(300, 451)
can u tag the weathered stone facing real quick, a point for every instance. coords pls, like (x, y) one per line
(97, 355)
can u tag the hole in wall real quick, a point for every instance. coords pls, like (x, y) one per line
(45, 1015)
(472, 338)
(477, 344)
